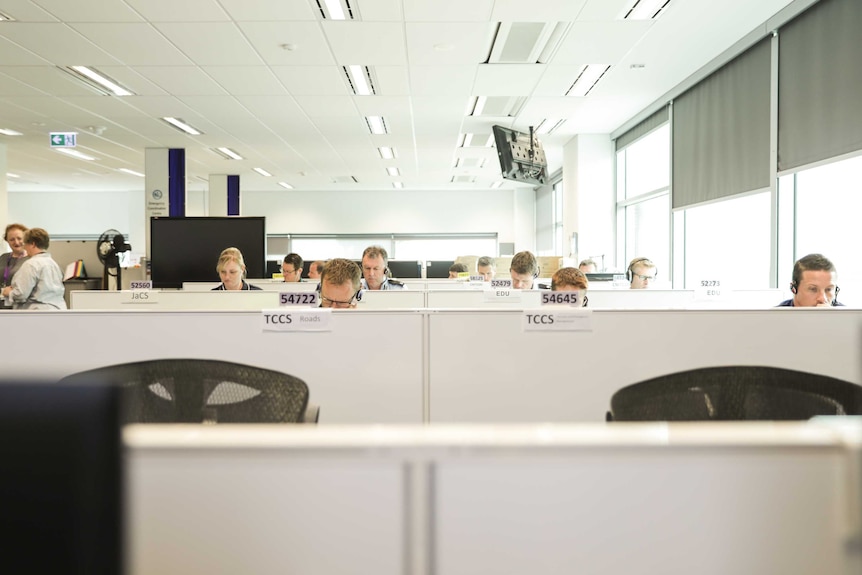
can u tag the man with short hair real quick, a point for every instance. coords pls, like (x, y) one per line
(340, 284)
(486, 268)
(571, 279)
(588, 266)
(524, 269)
(813, 283)
(375, 270)
(315, 269)
(640, 273)
(291, 268)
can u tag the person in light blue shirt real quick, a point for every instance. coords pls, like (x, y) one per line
(38, 284)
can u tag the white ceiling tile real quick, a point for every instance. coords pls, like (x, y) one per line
(13, 55)
(449, 44)
(442, 80)
(380, 11)
(435, 107)
(268, 10)
(447, 10)
(603, 10)
(47, 80)
(557, 80)
(305, 40)
(26, 11)
(180, 11)
(341, 106)
(57, 43)
(313, 80)
(371, 44)
(544, 11)
(213, 44)
(600, 42)
(134, 44)
(392, 80)
(507, 79)
(390, 107)
(180, 80)
(90, 11)
(246, 80)
(278, 110)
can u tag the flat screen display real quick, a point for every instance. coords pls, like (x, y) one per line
(187, 249)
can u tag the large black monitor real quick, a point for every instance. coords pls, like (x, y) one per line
(437, 269)
(521, 155)
(61, 484)
(405, 268)
(187, 249)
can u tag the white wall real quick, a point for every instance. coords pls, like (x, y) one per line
(509, 213)
(588, 189)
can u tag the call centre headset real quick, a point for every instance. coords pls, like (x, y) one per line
(630, 274)
(794, 287)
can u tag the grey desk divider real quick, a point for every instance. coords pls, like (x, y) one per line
(386, 299)
(263, 284)
(638, 498)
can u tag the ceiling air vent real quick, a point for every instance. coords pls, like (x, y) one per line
(526, 42)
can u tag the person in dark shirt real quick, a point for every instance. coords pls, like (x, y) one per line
(231, 270)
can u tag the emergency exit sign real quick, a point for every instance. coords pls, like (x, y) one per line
(63, 139)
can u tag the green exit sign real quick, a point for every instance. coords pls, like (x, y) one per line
(63, 139)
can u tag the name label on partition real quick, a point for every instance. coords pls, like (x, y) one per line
(711, 289)
(296, 320)
(502, 294)
(141, 285)
(140, 297)
(571, 298)
(501, 284)
(558, 320)
(304, 299)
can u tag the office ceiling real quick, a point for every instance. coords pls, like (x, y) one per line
(266, 78)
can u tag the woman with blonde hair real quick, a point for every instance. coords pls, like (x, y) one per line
(231, 271)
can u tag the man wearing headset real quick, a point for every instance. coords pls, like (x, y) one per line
(339, 284)
(640, 273)
(375, 270)
(813, 283)
(524, 269)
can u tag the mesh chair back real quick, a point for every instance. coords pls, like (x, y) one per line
(733, 393)
(202, 391)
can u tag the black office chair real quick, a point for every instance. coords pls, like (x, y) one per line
(735, 393)
(204, 391)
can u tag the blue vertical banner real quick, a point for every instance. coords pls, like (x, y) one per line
(233, 195)
(177, 182)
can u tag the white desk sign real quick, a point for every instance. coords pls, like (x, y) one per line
(305, 299)
(711, 289)
(558, 320)
(141, 296)
(141, 285)
(570, 298)
(297, 320)
(502, 294)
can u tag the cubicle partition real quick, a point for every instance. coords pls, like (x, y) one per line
(627, 498)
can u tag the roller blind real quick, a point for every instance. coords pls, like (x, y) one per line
(721, 131)
(643, 128)
(820, 84)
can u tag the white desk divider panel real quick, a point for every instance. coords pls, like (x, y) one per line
(173, 300)
(681, 299)
(485, 368)
(265, 285)
(392, 299)
(674, 499)
(466, 298)
(332, 363)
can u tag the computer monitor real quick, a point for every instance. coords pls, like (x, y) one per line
(438, 268)
(521, 156)
(61, 486)
(604, 276)
(405, 268)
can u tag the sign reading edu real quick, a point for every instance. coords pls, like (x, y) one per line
(64, 139)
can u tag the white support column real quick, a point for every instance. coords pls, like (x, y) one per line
(217, 195)
(4, 191)
(156, 182)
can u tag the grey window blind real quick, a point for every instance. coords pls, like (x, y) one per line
(643, 128)
(820, 84)
(721, 131)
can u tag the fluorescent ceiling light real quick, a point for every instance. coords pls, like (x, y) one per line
(393, 171)
(479, 106)
(646, 9)
(8, 132)
(6, 17)
(547, 126)
(11, 175)
(181, 125)
(101, 81)
(285, 185)
(360, 80)
(376, 124)
(75, 154)
(497, 184)
(588, 77)
(386, 152)
(228, 153)
(335, 9)
(262, 172)
(132, 172)
(397, 185)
